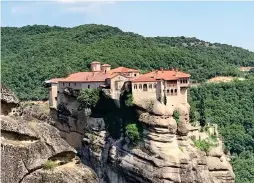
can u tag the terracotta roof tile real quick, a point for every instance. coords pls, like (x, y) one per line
(165, 75)
(96, 76)
(86, 77)
(123, 70)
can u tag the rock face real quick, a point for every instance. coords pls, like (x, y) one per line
(166, 155)
(8, 100)
(27, 147)
(33, 151)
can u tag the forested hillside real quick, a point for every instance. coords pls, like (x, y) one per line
(231, 106)
(32, 54)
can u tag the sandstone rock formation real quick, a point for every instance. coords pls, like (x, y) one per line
(8, 100)
(28, 146)
(166, 155)
(34, 152)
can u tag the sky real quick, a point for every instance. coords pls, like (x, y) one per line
(223, 22)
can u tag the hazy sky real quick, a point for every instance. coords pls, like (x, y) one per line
(223, 22)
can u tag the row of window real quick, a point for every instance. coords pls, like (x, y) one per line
(172, 92)
(183, 81)
(144, 86)
(74, 84)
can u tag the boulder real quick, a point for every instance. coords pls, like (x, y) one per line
(27, 148)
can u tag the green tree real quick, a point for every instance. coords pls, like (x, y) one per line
(132, 132)
(88, 97)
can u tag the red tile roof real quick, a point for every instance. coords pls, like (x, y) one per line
(86, 77)
(165, 75)
(123, 70)
(96, 76)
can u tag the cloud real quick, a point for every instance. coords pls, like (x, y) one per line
(89, 8)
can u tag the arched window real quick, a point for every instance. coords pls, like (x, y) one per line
(145, 87)
(140, 86)
(175, 92)
(150, 86)
(135, 86)
(171, 92)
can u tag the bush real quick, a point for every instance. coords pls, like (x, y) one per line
(203, 145)
(50, 165)
(89, 97)
(129, 101)
(132, 132)
(176, 116)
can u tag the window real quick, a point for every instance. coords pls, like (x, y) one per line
(140, 86)
(63, 84)
(88, 86)
(135, 86)
(135, 74)
(154, 85)
(171, 92)
(175, 92)
(69, 84)
(145, 87)
(150, 86)
(168, 92)
(75, 84)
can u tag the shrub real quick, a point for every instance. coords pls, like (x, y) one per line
(203, 145)
(132, 132)
(129, 101)
(89, 97)
(176, 116)
(49, 165)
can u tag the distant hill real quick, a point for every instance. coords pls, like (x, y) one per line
(32, 54)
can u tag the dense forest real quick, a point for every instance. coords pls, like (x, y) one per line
(231, 106)
(33, 54)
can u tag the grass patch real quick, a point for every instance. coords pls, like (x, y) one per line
(50, 165)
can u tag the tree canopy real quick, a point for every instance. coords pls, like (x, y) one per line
(231, 106)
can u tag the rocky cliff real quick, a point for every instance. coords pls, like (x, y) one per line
(8, 100)
(168, 152)
(32, 151)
